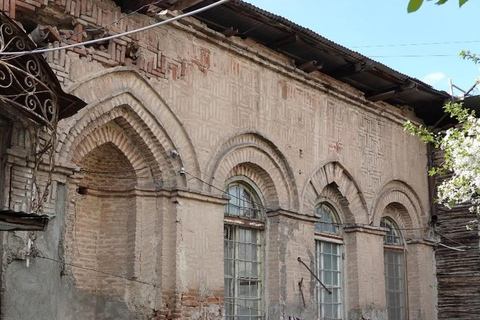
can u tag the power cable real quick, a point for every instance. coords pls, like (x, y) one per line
(95, 270)
(263, 207)
(415, 56)
(95, 29)
(113, 22)
(242, 306)
(260, 205)
(348, 225)
(123, 34)
(448, 247)
(414, 44)
(453, 240)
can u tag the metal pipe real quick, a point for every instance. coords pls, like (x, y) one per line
(431, 186)
(314, 275)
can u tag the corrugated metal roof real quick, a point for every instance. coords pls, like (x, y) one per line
(376, 80)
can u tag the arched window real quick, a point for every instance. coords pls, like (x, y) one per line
(394, 258)
(243, 253)
(244, 203)
(329, 262)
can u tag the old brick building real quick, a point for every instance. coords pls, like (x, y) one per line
(218, 158)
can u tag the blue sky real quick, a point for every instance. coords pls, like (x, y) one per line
(425, 44)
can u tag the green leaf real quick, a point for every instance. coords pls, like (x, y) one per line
(462, 2)
(439, 2)
(414, 5)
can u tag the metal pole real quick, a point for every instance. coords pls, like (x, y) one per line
(314, 275)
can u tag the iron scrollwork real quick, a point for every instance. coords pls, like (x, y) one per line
(29, 89)
(25, 82)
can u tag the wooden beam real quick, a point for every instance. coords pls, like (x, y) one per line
(292, 38)
(351, 69)
(230, 32)
(380, 96)
(184, 4)
(310, 66)
(392, 92)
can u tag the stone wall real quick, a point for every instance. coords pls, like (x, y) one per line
(173, 115)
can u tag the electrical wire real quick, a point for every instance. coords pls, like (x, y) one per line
(110, 172)
(13, 56)
(350, 225)
(263, 207)
(448, 247)
(414, 44)
(453, 240)
(416, 56)
(255, 203)
(226, 302)
(123, 34)
(44, 49)
(95, 270)
(113, 22)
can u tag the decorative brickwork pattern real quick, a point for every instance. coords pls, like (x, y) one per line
(157, 125)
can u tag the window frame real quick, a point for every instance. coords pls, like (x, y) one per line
(336, 239)
(236, 224)
(396, 249)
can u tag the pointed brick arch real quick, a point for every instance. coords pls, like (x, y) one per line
(110, 133)
(334, 175)
(250, 153)
(409, 211)
(142, 138)
(125, 87)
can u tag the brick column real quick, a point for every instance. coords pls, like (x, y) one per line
(290, 235)
(365, 279)
(421, 279)
(199, 283)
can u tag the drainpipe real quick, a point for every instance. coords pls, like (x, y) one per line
(431, 185)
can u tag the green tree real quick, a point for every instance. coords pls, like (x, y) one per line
(414, 5)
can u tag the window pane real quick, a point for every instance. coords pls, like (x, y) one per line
(393, 236)
(243, 202)
(328, 222)
(327, 261)
(328, 269)
(242, 256)
(395, 284)
(242, 275)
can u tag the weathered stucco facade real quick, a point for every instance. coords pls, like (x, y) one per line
(175, 114)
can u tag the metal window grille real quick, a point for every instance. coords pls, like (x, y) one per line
(395, 279)
(243, 273)
(395, 284)
(327, 222)
(328, 268)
